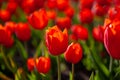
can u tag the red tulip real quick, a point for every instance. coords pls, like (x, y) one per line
(114, 12)
(30, 64)
(73, 37)
(5, 37)
(62, 4)
(51, 3)
(63, 22)
(86, 4)
(38, 19)
(104, 2)
(80, 32)
(22, 31)
(51, 14)
(112, 39)
(98, 33)
(10, 26)
(43, 65)
(116, 2)
(12, 6)
(56, 40)
(99, 10)
(86, 16)
(5, 15)
(73, 54)
(28, 6)
(39, 4)
(69, 11)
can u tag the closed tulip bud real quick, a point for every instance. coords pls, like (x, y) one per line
(73, 54)
(56, 40)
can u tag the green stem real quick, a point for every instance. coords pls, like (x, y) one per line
(72, 71)
(5, 59)
(110, 64)
(4, 77)
(59, 71)
(97, 60)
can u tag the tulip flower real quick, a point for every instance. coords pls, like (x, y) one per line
(99, 10)
(56, 40)
(43, 65)
(22, 31)
(112, 39)
(51, 3)
(69, 11)
(5, 37)
(73, 54)
(86, 4)
(30, 64)
(12, 6)
(51, 14)
(86, 16)
(62, 4)
(10, 26)
(28, 6)
(80, 32)
(98, 33)
(63, 22)
(5, 15)
(38, 19)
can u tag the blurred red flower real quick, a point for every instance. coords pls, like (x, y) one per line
(22, 31)
(86, 16)
(80, 32)
(38, 19)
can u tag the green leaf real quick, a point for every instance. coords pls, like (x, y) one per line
(32, 76)
(92, 76)
(21, 49)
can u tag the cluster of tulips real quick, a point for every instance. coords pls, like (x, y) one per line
(84, 32)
